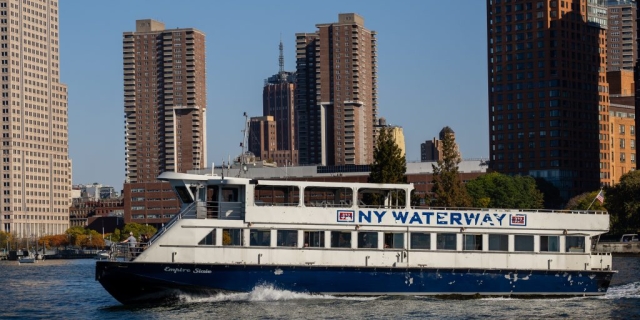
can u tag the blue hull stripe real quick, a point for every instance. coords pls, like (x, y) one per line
(120, 277)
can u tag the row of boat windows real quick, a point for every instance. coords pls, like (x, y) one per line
(394, 240)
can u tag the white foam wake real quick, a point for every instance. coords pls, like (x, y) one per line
(265, 293)
(629, 290)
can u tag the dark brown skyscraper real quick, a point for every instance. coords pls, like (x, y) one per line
(336, 92)
(278, 101)
(548, 95)
(165, 102)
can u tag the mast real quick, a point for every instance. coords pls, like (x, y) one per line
(245, 131)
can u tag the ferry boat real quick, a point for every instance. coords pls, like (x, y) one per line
(234, 234)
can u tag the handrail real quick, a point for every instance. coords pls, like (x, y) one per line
(569, 211)
(168, 225)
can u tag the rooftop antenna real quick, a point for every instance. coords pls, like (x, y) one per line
(281, 59)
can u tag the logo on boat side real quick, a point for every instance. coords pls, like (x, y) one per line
(346, 216)
(518, 220)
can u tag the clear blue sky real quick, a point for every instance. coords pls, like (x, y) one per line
(432, 68)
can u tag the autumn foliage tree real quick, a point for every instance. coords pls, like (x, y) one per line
(447, 188)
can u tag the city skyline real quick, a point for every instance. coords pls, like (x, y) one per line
(422, 67)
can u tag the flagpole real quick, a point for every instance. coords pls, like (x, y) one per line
(594, 199)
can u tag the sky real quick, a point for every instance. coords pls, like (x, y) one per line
(432, 68)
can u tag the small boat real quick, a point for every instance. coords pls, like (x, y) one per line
(103, 255)
(339, 238)
(30, 258)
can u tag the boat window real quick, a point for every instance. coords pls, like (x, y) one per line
(287, 238)
(574, 244)
(523, 243)
(394, 240)
(381, 198)
(209, 239)
(183, 194)
(498, 242)
(229, 194)
(549, 243)
(367, 240)
(446, 241)
(327, 197)
(231, 237)
(420, 240)
(260, 237)
(265, 195)
(340, 239)
(472, 242)
(314, 239)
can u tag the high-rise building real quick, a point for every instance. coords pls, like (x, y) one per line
(622, 120)
(432, 150)
(548, 92)
(165, 100)
(621, 34)
(336, 92)
(278, 101)
(36, 169)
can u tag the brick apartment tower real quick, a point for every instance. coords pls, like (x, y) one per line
(278, 110)
(36, 169)
(621, 35)
(548, 93)
(165, 101)
(336, 92)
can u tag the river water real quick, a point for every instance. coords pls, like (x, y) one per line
(66, 289)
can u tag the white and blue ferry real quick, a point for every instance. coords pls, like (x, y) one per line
(234, 234)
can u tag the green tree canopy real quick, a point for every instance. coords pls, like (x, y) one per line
(389, 166)
(137, 229)
(6, 240)
(496, 190)
(623, 203)
(447, 187)
(585, 201)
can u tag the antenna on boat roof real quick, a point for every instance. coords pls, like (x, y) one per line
(245, 130)
(222, 168)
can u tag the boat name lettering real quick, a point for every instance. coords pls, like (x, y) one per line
(437, 218)
(176, 270)
(196, 270)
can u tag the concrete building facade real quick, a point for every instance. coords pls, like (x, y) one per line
(336, 92)
(548, 92)
(36, 170)
(621, 34)
(165, 102)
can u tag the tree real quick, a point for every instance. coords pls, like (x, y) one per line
(623, 203)
(138, 229)
(6, 239)
(585, 201)
(551, 193)
(389, 166)
(496, 190)
(447, 187)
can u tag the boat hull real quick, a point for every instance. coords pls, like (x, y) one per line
(135, 282)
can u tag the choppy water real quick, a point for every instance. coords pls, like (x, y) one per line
(66, 289)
